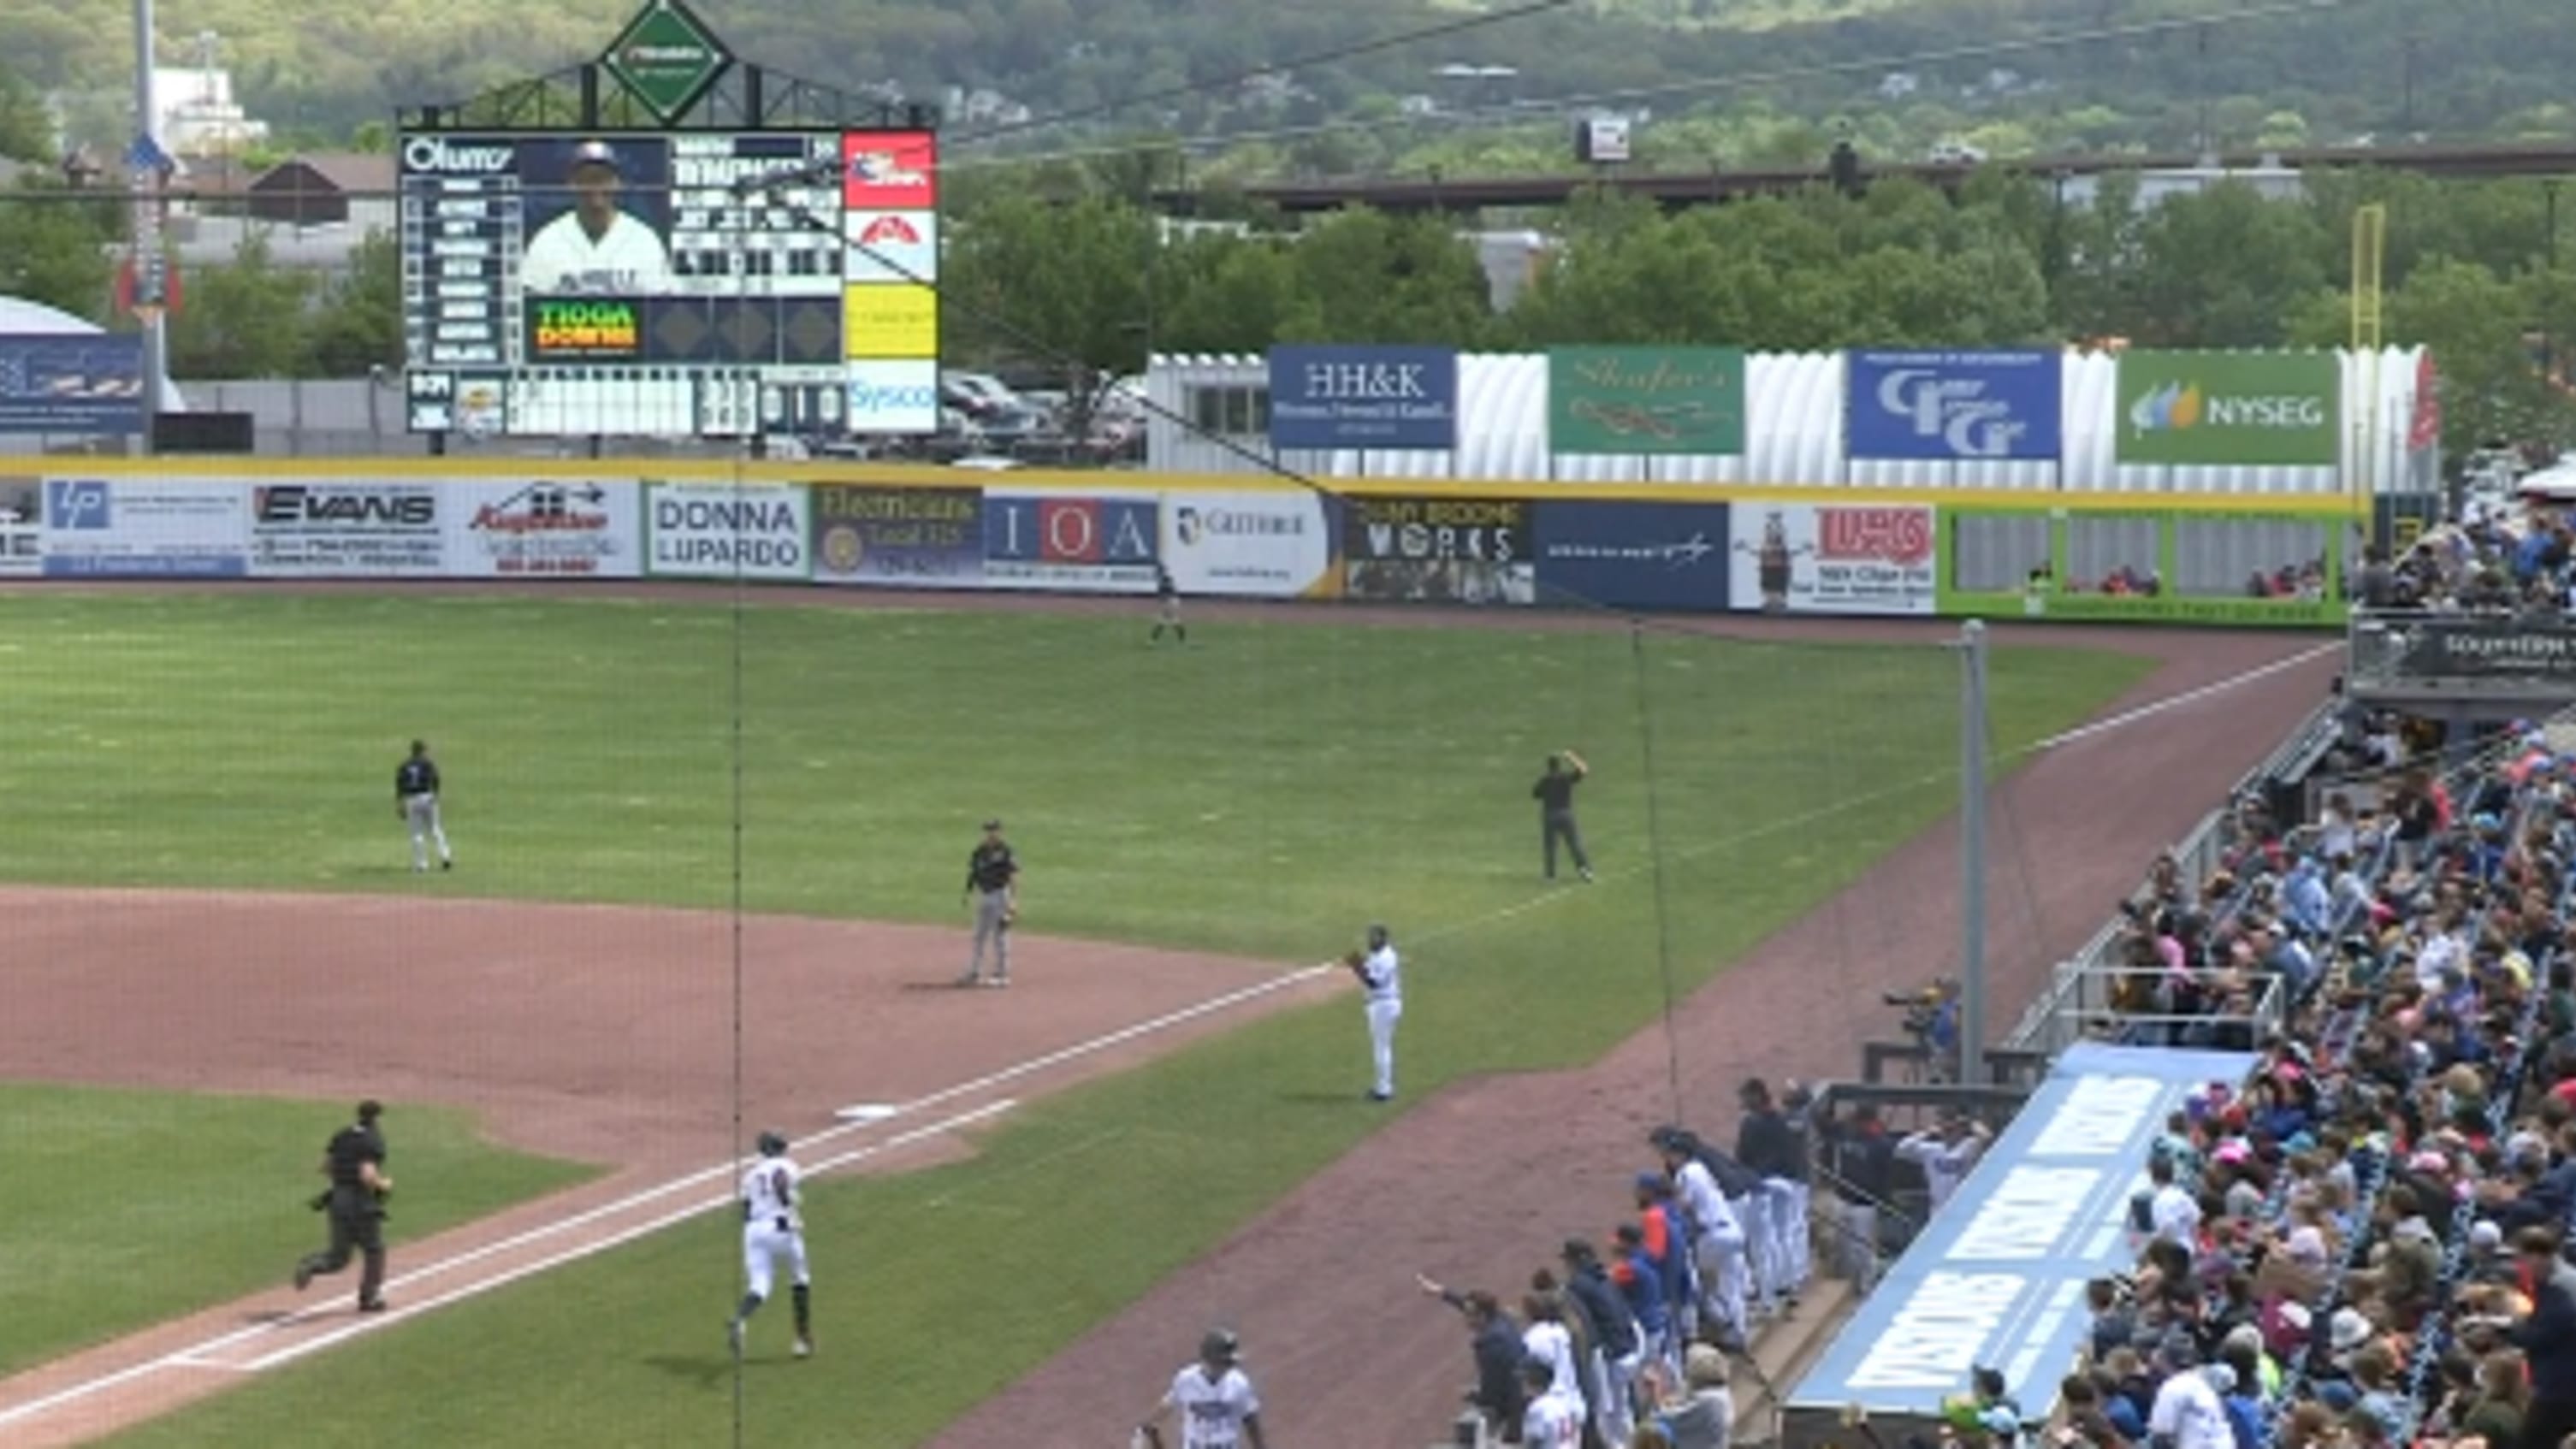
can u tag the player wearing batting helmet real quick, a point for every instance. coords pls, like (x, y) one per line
(1214, 1398)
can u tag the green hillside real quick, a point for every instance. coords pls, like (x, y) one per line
(2328, 72)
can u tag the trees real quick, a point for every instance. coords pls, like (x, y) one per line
(243, 318)
(54, 250)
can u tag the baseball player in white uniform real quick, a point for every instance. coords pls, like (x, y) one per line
(1380, 974)
(1218, 1406)
(1719, 1244)
(773, 1227)
(597, 249)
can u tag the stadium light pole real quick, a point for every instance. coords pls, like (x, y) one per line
(147, 239)
(1972, 853)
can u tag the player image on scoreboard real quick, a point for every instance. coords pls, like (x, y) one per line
(595, 214)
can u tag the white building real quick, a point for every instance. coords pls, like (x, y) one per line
(197, 115)
(1794, 433)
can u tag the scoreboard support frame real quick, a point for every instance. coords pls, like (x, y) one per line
(738, 97)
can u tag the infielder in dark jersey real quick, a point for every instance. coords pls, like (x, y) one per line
(992, 884)
(416, 803)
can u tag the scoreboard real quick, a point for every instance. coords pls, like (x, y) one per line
(670, 284)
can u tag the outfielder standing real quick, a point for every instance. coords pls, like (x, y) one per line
(773, 1227)
(354, 1161)
(1380, 976)
(416, 802)
(993, 885)
(1167, 612)
(1214, 1397)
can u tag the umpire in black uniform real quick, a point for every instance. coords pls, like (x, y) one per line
(354, 1160)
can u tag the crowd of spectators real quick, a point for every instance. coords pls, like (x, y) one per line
(2498, 561)
(2360, 1245)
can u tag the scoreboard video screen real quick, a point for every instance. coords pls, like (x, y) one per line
(666, 285)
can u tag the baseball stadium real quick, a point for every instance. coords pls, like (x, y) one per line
(710, 837)
(679, 941)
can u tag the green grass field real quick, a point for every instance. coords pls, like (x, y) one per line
(119, 1208)
(1266, 792)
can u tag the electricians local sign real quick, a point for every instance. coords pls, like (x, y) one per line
(720, 531)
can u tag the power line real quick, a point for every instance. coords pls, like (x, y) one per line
(1521, 111)
(1334, 56)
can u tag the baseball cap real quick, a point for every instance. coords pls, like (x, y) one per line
(993, 824)
(1650, 1181)
(595, 153)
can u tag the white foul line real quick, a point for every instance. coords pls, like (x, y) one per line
(194, 1357)
(622, 1236)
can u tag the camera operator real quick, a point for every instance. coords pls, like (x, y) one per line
(1932, 1019)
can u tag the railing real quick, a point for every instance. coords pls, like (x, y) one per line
(2467, 655)
(2092, 1014)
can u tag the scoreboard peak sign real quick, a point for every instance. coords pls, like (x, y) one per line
(2223, 409)
(666, 58)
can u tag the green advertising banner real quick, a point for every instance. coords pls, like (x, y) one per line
(1632, 400)
(2221, 409)
(2148, 566)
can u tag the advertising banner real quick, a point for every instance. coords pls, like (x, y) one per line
(144, 528)
(893, 396)
(889, 320)
(1439, 550)
(2464, 655)
(718, 531)
(1364, 397)
(56, 384)
(535, 529)
(1805, 558)
(22, 527)
(1635, 555)
(346, 531)
(1953, 406)
(1260, 545)
(1664, 400)
(2217, 409)
(1109, 543)
(923, 538)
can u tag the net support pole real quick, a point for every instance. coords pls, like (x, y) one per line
(1972, 852)
(147, 238)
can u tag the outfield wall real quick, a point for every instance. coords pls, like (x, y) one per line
(1673, 547)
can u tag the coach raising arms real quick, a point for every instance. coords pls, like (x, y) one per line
(1554, 793)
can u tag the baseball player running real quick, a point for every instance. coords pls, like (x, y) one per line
(993, 885)
(416, 803)
(1380, 976)
(773, 1227)
(1214, 1397)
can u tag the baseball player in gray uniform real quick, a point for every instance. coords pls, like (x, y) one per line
(992, 885)
(416, 802)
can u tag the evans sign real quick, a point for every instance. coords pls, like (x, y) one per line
(346, 530)
(1364, 397)
(1953, 406)
(715, 531)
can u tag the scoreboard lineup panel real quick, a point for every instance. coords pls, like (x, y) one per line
(679, 284)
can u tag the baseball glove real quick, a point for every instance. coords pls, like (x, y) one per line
(1357, 963)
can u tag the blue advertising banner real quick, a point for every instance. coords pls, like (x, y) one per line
(1364, 397)
(1634, 555)
(1968, 407)
(920, 538)
(1108, 543)
(146, 528)
(54, 384)
(1997, 1278)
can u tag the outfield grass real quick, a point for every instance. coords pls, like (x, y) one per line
(122, 1208)
(1266, 791)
